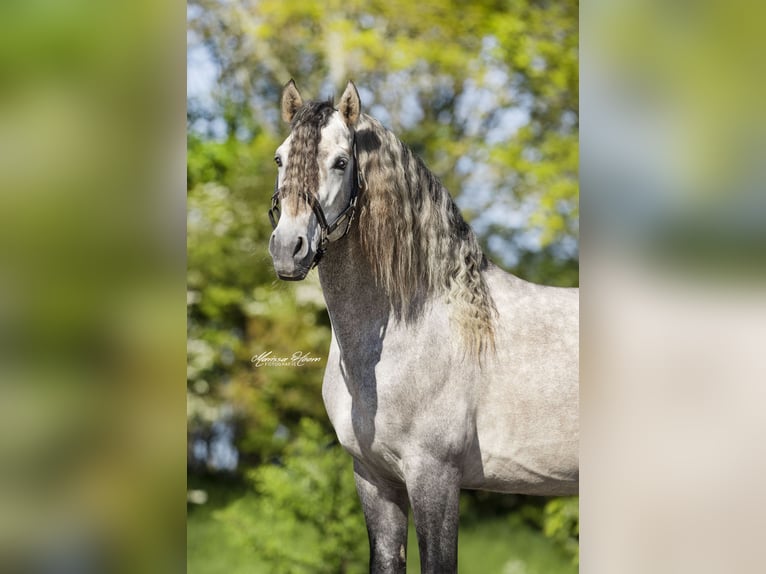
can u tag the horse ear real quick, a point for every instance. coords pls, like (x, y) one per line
(350, 105)
(291, 101)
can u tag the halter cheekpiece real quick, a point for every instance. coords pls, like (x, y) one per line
(347, 215)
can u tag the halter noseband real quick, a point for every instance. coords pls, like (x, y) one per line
(347, 215)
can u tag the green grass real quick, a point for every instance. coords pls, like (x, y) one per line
(209, 547)
(496, 545)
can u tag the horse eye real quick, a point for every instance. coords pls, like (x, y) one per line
(278, 161)
(340, 163)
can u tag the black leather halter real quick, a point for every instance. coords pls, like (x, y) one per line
(347, 215)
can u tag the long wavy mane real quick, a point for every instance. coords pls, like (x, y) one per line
(413, 235)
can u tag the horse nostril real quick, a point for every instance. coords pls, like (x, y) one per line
(298, 246)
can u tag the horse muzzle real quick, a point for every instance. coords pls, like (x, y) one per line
(291, 254)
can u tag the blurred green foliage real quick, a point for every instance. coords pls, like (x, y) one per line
(485, 92)
(91, 286)
(307, 517)
(561, 522)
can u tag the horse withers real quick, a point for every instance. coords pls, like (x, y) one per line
(444, 372)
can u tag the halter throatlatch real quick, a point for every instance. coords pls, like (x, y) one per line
(346, 216)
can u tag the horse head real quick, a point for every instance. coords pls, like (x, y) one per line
(317, 181)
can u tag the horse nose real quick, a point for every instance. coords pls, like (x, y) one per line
(301, 248)
(289, 251)
(297, 246)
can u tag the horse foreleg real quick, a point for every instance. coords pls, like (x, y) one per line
(385, 511)
(434, 491)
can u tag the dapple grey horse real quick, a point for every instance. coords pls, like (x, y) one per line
(444, 372)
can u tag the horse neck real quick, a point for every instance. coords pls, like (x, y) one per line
(359, 309)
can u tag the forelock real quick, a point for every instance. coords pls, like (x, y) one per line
(302, 169)
(313, 115)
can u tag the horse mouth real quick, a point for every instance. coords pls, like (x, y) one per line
(292, 270)
(298, 273)
(299, 277)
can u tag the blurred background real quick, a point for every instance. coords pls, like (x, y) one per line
(487, 94)
(92, 310)
(673, 299)
(94, 412)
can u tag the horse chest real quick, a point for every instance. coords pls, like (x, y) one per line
(390, 413)
(369, 431)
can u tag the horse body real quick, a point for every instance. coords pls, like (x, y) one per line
(444, 372)
(509, 423)
(527, 417)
